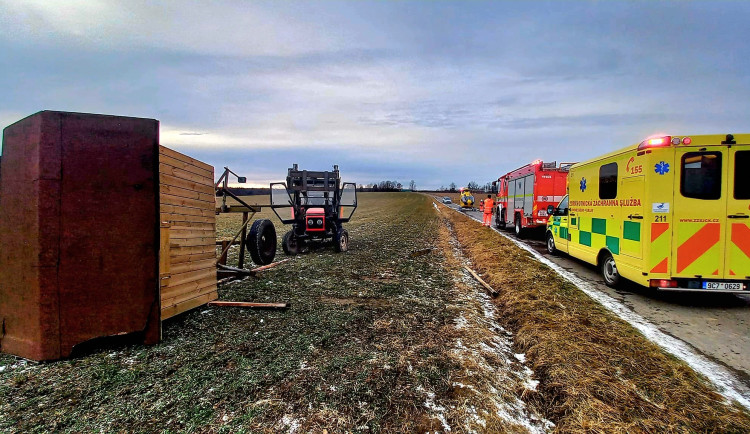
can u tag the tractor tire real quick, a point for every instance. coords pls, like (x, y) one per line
(609, 271)
(290, 244)
(261, 242)
(517, 228)
(341, 241)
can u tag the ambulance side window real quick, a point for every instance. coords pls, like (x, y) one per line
(741, 178)
(700, 176)
(608, 181)
(562, 208)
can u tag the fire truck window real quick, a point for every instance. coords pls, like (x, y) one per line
(741, 178)
(701, 175)
(608, 181)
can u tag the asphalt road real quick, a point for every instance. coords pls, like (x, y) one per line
(715, 325)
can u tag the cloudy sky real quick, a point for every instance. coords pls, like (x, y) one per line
(438, 91)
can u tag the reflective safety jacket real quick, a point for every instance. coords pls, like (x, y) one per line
(489, 204)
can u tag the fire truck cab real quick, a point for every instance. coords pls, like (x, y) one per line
(524, 194)
(670, 213)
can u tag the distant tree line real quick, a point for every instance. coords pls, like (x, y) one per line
(472, 185)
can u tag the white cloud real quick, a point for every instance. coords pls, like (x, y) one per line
(217, 27)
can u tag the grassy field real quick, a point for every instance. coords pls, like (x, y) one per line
(368, 345)
(392, 336)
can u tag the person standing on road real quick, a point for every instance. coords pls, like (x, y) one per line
(489, 206)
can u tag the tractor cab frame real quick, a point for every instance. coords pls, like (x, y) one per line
(316, 204)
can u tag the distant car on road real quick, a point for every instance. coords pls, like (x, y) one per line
(447, 199)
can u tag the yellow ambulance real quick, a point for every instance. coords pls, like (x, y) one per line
(672, 213)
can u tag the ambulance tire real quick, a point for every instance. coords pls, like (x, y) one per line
(262, 242)
(290, 244)
(551, 248)
(609, 271)
(517, 228)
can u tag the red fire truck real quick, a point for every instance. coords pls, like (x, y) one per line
(524, 194)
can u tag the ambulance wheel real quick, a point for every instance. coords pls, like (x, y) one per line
(551, 249)
(518, 229)
(262, 242)
(341, 241)
(609, 271)
(290, 244)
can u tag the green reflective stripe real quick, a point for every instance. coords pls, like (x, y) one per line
(573, 221)
(599, 226)
(564, 233)
(631, 231)
(613, 244)
(584, 238)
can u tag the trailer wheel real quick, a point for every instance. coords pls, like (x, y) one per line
(551, 249)
(290, 244)
(609, 271)
(518, 228)
(262, 241)
(341, 241)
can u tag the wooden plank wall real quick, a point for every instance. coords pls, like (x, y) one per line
(188, 232)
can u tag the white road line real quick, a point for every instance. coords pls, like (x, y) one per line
(725, 382)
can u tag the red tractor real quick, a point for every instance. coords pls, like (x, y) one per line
(316, 204)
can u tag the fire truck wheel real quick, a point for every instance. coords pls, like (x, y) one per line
(342, 240)
(289, 244)
(518, 228)
(609, 271)
(551, 249)
(261, 241)
(499, 221)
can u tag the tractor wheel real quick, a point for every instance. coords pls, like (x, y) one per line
(262, 241)
(341, 241)
(609, 271)
(290, 244)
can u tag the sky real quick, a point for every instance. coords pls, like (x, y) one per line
(431, 91)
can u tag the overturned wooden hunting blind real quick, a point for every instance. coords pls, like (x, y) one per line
(102, 232)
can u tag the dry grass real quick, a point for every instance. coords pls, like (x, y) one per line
(597, 373)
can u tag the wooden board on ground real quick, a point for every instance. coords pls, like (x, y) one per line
(187, 269)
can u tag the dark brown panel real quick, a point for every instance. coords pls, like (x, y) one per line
(78, 231)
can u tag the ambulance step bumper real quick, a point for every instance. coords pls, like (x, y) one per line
(712, 291)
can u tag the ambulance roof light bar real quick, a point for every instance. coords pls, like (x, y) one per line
(655, 142)
(660, 142)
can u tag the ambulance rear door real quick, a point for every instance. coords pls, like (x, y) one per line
(700, 212)
(738, 213)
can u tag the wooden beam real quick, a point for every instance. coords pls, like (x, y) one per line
(243, 239)
(479, 279)
(271, 265)
(248, 304)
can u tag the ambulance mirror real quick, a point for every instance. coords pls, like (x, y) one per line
(550, 209)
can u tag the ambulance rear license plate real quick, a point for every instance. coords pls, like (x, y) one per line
(723, 286)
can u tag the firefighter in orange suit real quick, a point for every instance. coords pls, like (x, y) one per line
(489, 205)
